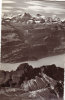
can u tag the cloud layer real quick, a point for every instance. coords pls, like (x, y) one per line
(45, 7)
(8, 1)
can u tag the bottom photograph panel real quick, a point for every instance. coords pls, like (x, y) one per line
(28, 82)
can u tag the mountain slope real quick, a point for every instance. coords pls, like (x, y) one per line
(22, 41)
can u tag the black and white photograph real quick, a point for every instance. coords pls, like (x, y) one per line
(32, 50)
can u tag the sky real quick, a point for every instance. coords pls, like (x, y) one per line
(44, 7)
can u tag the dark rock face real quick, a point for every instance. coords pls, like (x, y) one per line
(25, 71)
(56, 73)
(30, 79)
(2, 76)
(4, 79)
(21, 73)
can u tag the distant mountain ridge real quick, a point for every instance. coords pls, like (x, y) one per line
(28, 16)
(30, 38)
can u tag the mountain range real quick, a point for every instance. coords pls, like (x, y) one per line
(25, 37)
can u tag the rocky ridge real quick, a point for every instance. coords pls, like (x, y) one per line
(26, 79)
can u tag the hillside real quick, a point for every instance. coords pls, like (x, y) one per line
(27, 38)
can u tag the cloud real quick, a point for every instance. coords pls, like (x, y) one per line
(33, 3)
(5, 11)
(44, 7)
(7, 7)
(8, 1)
(47, 9)
(53, 10)
(35, 8)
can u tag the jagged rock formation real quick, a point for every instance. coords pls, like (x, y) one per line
(32, 79)
(54, 72)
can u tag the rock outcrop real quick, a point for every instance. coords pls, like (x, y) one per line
(30, 79)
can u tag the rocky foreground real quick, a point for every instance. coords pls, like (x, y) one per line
(28, 83)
